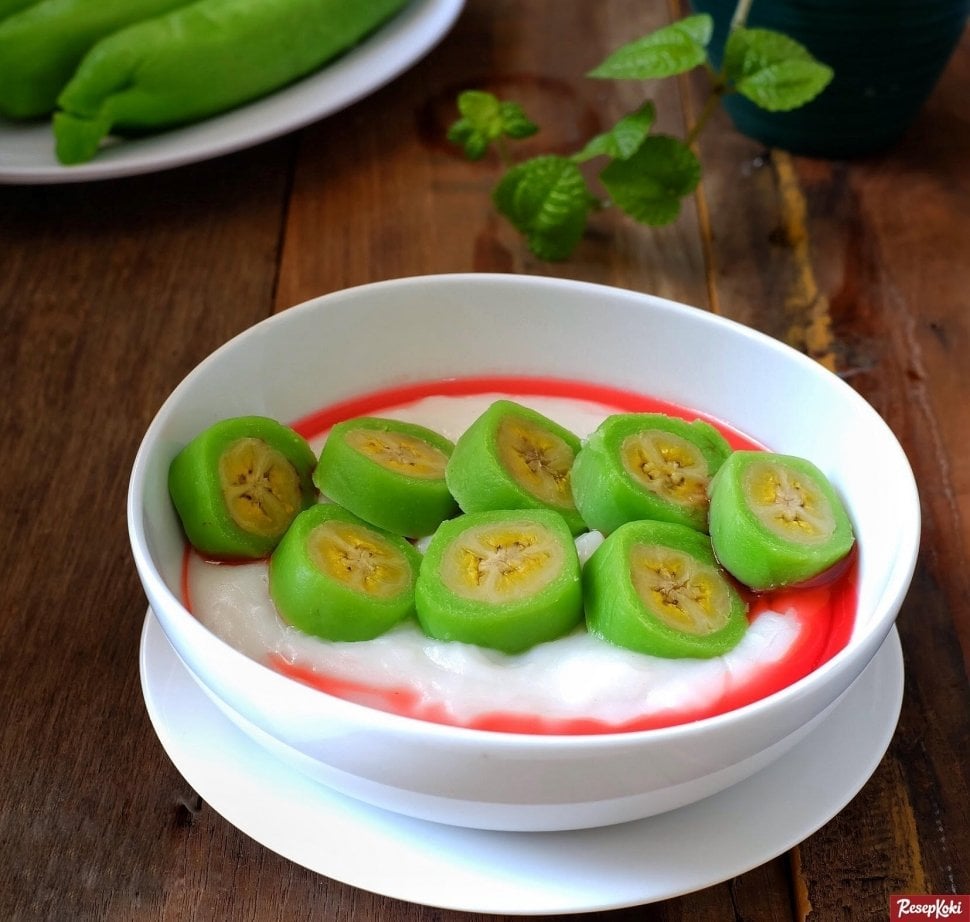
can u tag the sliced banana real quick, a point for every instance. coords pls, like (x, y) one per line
(513, 457)
(388, 472)
(501, 562)
(776, 519)
(538, 458)
(668, 465)
(683, 592)
(505, 579)
(359, 558)
(239, 484)
(334, 576)
(398, 450)
(260, 486)
(656, 588)
(788, 503)
(647, 466)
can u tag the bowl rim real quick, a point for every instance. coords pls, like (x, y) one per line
(885, 608)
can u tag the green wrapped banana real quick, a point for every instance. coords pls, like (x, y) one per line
(9, 7)
(202, 59)
(41, 45)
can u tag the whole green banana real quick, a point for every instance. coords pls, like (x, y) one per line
(9, 7)
(41, 45)
(203, 59)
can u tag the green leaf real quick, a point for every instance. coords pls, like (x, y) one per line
(515, 123)
(649, 185)
(485, 118)
(674, 49)
(772, 70)
(547, 200)
(623, 139)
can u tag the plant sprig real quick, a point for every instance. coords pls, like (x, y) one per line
(548, 199)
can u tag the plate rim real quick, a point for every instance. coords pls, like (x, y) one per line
(507, 899)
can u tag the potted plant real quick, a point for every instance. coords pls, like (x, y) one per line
(887, 56)
(770, 82)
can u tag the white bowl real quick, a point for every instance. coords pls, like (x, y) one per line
(412, 330)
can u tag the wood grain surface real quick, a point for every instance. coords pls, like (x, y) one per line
(110, 292)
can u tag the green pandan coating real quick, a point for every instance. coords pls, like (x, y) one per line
(505, 579)
(239, 484)
(776, 519)
(656, 588)
(388, 472)
(647, 466)
(513, 457)
(334, 576)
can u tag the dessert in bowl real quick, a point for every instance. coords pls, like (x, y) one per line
(435, 350)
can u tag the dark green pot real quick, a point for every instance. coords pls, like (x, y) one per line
(887, 56)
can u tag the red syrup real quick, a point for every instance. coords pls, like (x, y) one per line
(825, 609)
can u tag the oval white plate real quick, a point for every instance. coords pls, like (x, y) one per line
(27, 151)
(522, 873)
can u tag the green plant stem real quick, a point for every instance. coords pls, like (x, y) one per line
(740, 16)
(504, 154)
(710, 107)
(719, 87)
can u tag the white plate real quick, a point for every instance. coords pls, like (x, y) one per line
(27, 151)
(522, 873)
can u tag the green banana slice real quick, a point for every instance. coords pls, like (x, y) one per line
(239, 484)
(507, 580)
(647, 466)
(776, 519)
(656, 588)
(513, 457)
(334, 576)
(390, 473)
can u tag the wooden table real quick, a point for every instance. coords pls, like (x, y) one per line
(110, 292)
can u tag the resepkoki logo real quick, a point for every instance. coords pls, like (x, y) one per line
(954, 907)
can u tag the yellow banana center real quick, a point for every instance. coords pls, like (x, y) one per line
(667, 465)
(789, 504)
(260, 486)
(539, 460)
(501, 563)
(359, 559)
(401, 452)
(686, 594)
